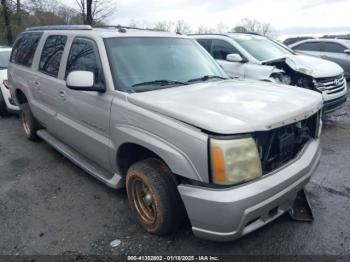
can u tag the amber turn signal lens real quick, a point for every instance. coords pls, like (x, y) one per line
(218, 165)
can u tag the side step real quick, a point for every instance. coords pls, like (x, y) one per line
(111, 180)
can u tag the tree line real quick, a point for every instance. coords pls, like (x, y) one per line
(16, 15)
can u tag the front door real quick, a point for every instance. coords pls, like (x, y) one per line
(83, 116)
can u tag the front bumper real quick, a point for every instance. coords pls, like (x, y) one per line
(334, 104)
(227, 214)
(9, 101)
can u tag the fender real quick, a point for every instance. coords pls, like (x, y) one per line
(177, 160)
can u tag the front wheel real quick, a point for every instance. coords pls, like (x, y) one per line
(153, 197)
(3, 107)
(29, 123)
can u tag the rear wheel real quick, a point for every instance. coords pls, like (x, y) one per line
(3, 107)
(153, 197)
(29, 123)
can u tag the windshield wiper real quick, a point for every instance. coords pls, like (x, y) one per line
(160, 83)
(206, 78)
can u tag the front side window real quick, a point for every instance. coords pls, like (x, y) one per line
(83, 56)
(4, 59)
(309, 46)
(24, 49)
(261, 48)
(138, 60)
(220, 49)
(51, 55)
(332, 47)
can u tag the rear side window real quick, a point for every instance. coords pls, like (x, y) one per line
(24, 49)
(83, 56)
(205, 43)
(220, 49)
(332, 47)
(51, 55)
(310, 46)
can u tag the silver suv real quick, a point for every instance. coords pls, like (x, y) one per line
(153, 112)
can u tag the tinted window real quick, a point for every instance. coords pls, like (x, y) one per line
(51, 55)
(220, 49)
(311, 46)
(83, 56)
(205, 43)
(4, 58)
(24, 48)
(333, 47)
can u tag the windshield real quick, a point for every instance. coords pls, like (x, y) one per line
(4, 58)
(261, 48)
(148, 63)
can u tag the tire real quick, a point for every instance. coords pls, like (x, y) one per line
(154, 198)
(3, 107)
(29, 123)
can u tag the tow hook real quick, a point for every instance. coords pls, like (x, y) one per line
(301, 209)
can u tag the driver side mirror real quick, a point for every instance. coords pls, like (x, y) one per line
(347, 51)
(83, 81)
(234, 58)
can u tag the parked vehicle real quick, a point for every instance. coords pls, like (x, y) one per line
(292, 40)
(336, 50)
(153, 112)
(7, 105)
(257, 57)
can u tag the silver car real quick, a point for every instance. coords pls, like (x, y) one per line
(336, 50)
(153, 112)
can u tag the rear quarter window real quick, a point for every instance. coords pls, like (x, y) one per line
(24, 49)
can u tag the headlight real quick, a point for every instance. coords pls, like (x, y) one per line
(234, 161)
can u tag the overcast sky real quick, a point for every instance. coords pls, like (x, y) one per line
(288, 17)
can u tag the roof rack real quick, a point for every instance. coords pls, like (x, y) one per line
(59, 27)
(122, 29)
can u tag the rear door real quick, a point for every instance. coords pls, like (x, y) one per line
(335, 52)
(219, 50)
(310, 48)
(48, 83)
(83, 116)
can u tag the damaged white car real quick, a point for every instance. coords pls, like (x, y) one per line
(252, 56)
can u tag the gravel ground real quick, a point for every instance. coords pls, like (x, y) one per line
(49, 206)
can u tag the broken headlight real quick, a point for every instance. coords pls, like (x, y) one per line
(234, 161)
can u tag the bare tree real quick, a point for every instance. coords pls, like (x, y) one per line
(95, 11)
(182, 27)
(254, 26)
(205, 30)
(6, 13)
(164, 26)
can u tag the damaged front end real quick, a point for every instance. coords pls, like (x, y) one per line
(286, 71)
(281, 145)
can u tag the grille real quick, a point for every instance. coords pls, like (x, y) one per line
(331, 85)
(281, 145)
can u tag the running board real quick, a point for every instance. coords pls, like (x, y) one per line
(111, 180)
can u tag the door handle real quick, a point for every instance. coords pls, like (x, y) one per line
(36, 83)
(62, 94)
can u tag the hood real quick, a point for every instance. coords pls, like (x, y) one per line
(311, 65)
(232, 106)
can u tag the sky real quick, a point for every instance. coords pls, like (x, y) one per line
(287, 17)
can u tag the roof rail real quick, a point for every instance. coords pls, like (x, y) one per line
(59, 27)
(122, 29)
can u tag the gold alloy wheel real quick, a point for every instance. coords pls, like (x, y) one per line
(25, 123)
(143, 201)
